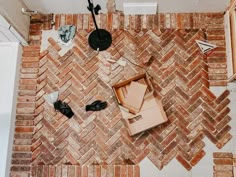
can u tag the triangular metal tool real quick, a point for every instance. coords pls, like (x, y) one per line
(205, 46)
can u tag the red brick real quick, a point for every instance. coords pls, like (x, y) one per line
(218, 82)
(24, 129)
(223, 168)
(71, 171)
(171, 146)
(30, 64)
(222, 105)
(20, 168)
(21, 155)
(223, 174)
(197, 157)
(25, 105)
(224, 140)
(208, 93)
(130, 171)
(194, 80)
(136, 171)
(57, 21)
(208, 126)
(222, 155)
(225, 130)
(223, 122)
(30, 54)
(184, 162)
(222, 96)
(78, 171)
(169, 139)
(223, 161)
(28, 82)
(69, 19)
(222, 114)
(54, 44)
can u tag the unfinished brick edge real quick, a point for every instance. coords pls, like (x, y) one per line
(26, 103)
(119, 21)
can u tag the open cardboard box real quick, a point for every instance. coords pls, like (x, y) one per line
(151, 113)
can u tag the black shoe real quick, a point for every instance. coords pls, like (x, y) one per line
(95, 102)
(97, 105)
(64, 108)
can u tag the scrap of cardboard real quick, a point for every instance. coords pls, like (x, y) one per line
(120, 62)
(135, 95)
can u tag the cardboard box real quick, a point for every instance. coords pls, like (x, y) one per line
(151, 112)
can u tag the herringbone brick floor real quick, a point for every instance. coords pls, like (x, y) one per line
(181, 78)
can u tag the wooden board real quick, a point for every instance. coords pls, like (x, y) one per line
(233, 38)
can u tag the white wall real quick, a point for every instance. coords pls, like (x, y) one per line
(192, 5)
(185, 6)
(229, 59)
(80, 6)
(11, 10)
(9, 74)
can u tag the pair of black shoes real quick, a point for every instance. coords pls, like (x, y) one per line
(97, 105)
